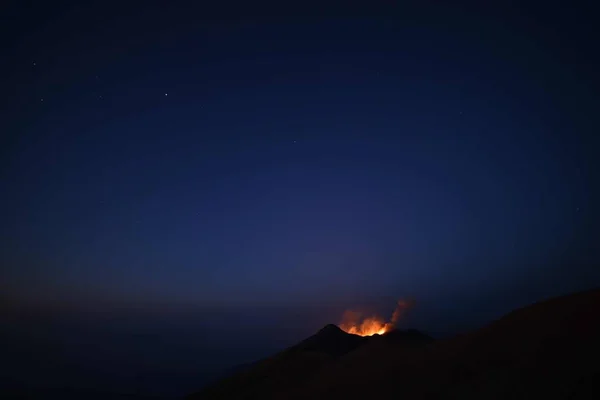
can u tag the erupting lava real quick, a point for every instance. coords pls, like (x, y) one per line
(354, 323)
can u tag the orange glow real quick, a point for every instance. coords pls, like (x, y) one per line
(367, 327)
(354, 323)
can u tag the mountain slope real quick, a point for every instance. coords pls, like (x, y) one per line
(293, 366)
(549, 349)
(330, 340)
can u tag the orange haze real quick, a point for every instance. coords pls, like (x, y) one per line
(353, 322)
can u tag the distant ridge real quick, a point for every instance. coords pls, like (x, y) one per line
(330, 340)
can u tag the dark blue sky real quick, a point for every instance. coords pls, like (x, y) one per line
(170, 157)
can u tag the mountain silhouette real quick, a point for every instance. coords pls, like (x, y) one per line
(330, 340)
(549, 349)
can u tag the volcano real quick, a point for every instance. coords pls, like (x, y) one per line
(549, 349)
(330, 340)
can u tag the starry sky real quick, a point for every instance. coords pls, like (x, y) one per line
(237, 167)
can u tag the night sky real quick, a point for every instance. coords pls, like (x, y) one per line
(258, 175)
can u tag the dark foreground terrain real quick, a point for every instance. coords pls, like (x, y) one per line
(548, 350)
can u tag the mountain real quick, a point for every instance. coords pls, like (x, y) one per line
(330, 340)
(550, 350)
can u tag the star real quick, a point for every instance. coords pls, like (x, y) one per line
(34, 64)
(41, 99)
(166, 94)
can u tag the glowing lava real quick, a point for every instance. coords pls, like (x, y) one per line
(367, 327)
(354, 323)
